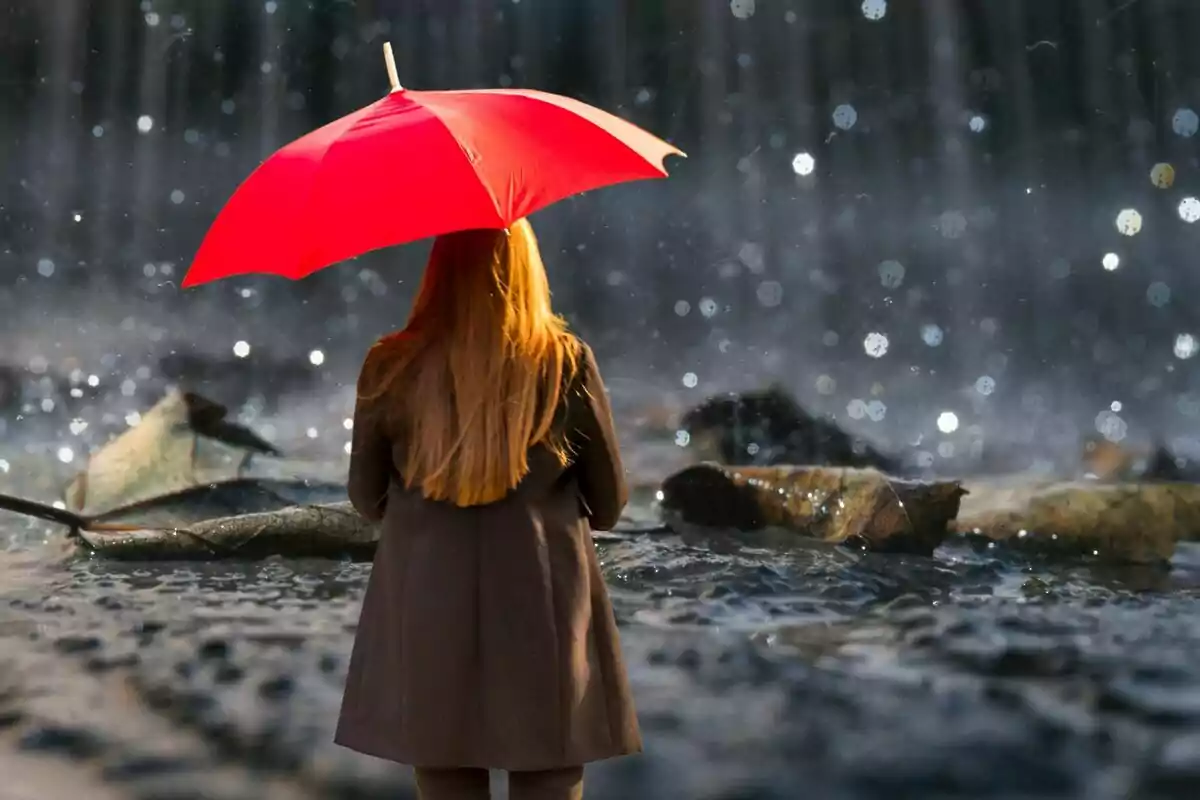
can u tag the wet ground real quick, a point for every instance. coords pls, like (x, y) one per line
(763, 668)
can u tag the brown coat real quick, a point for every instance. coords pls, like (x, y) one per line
(487, 638)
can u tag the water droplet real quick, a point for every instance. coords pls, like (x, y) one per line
(932, 335)
(145, 123)
(947, 422)
(985, 385)
(742, 9)
(1185, 122)
(769, 293)
(1189, 209)
(316, 358)
(1185, 345)
(1110, 261)
(891, 273)
(690, 380)
(241, 348)
(66, 455)
(876, 344)
(1162, 175)
(844, 116)
(1129, 221)
(874, 10)
(1158, 294)
(803, 164)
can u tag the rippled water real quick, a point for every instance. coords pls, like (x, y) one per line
(764, 667)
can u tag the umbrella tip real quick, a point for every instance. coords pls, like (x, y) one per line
(389, 60)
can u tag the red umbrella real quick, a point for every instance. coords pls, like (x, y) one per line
(414, 165)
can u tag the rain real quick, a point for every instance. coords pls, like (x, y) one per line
(950, 244)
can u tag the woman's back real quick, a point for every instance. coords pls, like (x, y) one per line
(487, 639)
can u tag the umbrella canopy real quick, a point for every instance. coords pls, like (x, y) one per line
(419, 164)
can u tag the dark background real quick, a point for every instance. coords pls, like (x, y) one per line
(1078, 99)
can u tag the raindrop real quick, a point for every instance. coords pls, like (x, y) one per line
(241, 348)
(228, 106)
(4, 466)
(316, 358)
(1185, 122)
(932, 335)
(152, 19)
(682, 307)
(830, 338)
(45, 267)
(66, 455)
(803, 164)
(826, 385)
(1111, 261)
(1158, 294)
(77, 217)
(947, 422)
(191, 136)
(844, 116)
(177, 196)
(682, 438)
(97, 131)
(690, 380)
(347, 447)
(876, 344)
(312, 433)
(270, 6)
(1189, 209)
(891, 273)
(1185, 346)
(708, 307)
(1110, 426)
(1162, 175)
(952, 224)
(977, 123)
(770, 293)
(742, 9)
(1129, 221)
(1115, 405)
(145, 123)
(856, 409)
(876, 410)
(77, 426)
(348, 423)
(985, 385)
(874, 9)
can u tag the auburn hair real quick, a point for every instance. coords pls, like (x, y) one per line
(475, 378)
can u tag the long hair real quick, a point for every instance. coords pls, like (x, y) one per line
(476, 376)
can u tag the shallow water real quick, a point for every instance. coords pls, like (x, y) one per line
(763, 668)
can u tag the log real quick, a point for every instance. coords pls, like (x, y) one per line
(860, 507)
(1129, 523)
(330, 530)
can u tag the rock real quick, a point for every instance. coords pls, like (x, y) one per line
(769, 427)
(1135, 523)
(181, 442)
(863, 507)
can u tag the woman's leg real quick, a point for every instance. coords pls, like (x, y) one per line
(452, 784)
(551, 784)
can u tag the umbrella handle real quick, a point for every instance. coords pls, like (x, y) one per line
(389, 59)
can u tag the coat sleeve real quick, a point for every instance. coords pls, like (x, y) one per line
(370, 460)
(598, 457)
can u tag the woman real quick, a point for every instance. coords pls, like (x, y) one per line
(484, 441)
